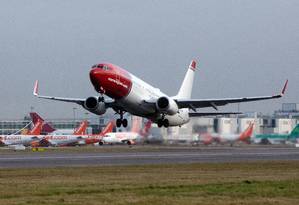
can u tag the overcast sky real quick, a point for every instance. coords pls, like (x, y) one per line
(244, 48)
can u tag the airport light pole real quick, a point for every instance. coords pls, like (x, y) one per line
(74, 113)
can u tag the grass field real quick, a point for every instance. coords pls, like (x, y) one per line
(235, 183)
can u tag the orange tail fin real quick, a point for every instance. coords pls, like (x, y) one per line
(37, 129)
(247, 133)
(108, 128)
(81, 130)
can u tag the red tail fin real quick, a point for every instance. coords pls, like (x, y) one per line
(37, 129)
(47, 128)
(247, 133)
(108, 128)
(81, 130)
(145, 131)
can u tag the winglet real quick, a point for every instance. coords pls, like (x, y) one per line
(192, 65)
(35, 90)
(285, 87)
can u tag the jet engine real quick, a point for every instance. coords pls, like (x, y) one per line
(167, 106)
(95, 105)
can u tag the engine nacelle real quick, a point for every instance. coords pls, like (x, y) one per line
(94, 105)
(167, 106)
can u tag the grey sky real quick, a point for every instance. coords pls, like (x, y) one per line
(244, 48)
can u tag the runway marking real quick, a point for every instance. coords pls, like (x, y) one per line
(181, 155)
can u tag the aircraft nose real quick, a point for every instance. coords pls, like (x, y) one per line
(95, 78)
(92, 73)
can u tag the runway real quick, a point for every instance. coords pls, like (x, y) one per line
(127, 156)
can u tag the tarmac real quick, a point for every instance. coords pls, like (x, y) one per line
(102, 156)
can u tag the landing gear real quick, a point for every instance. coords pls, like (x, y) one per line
(121, 121)
(163, 122)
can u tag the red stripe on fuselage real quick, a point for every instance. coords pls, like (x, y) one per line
(111, 80)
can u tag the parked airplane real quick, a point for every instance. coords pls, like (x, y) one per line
(278, 138)
(58, 140)
(228, 138)
(97, 138)
(26, 140)
(128, 137)
(62, 140)
(131, 94)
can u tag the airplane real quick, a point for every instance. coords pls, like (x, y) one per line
(244, 136)
(128, 93)
(97, 138)
(58, 140)
(128, 138)
(79, 137)
(25, 140)
(293, 136)
(62, 140)
(232, 138)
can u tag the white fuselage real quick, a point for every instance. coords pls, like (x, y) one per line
(18, 139)
(228, 138)
(120, 137)
(59, 140)
(141, 91)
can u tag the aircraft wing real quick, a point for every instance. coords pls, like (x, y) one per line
(202, 103)
(80, 101)
(73, 100)
(201, 114)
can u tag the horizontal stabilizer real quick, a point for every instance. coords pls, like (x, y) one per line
(201, 114)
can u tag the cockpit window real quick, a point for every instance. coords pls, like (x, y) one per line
(101, 66)
(105, 67)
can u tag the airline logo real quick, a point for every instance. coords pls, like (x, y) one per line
(117, 82)
(15, 137)
(59, 137)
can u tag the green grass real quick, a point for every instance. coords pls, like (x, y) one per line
(235, 183)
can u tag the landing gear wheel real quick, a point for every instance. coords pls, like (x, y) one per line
(160, 123)
(163, 122)
(118, 122)
(166, 123)
(125, 122)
